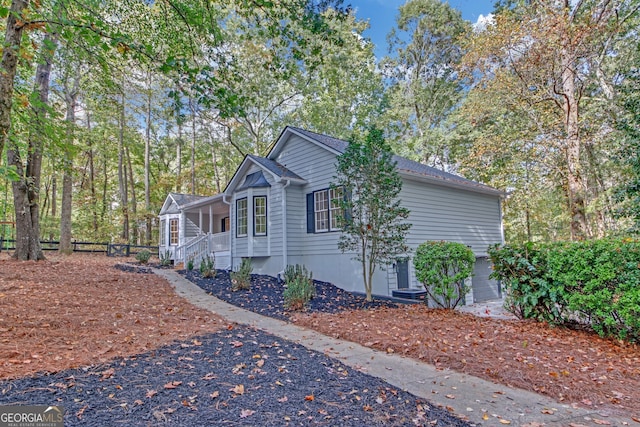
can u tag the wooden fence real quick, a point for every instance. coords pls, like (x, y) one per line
(110, 249)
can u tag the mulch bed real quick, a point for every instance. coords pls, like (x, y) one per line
(115, 345)
(266, 295)
(572, 366)
(238, 376)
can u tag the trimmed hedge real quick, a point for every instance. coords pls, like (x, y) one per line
(594, 283)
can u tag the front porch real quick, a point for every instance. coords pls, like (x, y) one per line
(190, 231)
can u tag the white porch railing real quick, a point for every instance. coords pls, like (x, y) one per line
(200, 246)
(219, 242)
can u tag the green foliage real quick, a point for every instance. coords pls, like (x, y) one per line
(207, 266)
(422, 71)
(241, 279)
(373, 226)
(190, 265)
(592, 283)
(442, 268)
(299, 287)
(165, 258)
(143, 256)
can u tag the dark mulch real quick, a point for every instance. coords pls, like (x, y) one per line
(266, 295)
(235, 377)
(134, 268)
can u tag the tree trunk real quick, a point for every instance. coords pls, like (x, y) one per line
(92, 178)
(26, 189)
(579, 230)
(193, 146)
(8, 65)
(216, 169)
(147, 164)
(67, 175)
(134, 202)
(122, 174)
(179, 156)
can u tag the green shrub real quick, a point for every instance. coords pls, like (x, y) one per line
(143, 256)
(592, 283)
(299, 288)
(207, 266)
(442, 268)
(241, 279)
(165, 258)
(190, 265)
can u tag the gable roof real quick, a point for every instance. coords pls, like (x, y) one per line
(270, 166)
(405, 166)
(175, 202)
(275, 168)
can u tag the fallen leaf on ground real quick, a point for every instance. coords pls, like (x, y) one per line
(172, 384)
(246, 413)
(239, 389)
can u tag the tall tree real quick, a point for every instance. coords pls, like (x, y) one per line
(26, 188)
(424, 87)
(374, 227)
(546, 58)
(14, 28)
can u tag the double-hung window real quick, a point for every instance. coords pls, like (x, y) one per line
(336, 213)
(241, 217)
(173, 231)
(260, 216)
(321, 208)
(324, 210)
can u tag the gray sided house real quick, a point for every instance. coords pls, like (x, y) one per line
(280, 213)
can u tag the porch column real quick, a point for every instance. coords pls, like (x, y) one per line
(182, 235)
(210, 219)
(200, 219)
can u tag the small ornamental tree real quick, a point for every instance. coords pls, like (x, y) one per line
(373, 224)
(442, 268)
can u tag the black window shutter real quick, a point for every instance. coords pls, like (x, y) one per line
(311, 218)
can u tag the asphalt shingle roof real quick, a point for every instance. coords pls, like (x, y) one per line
(402, 163)
(275, 167)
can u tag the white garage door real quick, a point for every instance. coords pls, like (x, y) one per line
(484, 289)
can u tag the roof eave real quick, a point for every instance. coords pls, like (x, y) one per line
(201, 202)
(284, 136)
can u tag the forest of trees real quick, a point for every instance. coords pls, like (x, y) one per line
(106, 106)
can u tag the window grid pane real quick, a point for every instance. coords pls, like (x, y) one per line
(336, 195)
(321, 204)
(241, 221)
(260, 215)
(173, 231)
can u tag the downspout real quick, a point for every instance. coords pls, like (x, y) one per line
(284, 224)
(224, 200)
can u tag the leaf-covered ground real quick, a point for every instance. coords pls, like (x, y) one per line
(116, 346)
(73, 312)
(66, 312)
(575, 367)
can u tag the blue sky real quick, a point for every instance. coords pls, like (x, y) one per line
(382, 14)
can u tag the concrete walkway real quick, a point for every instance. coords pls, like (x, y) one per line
(480, 401)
